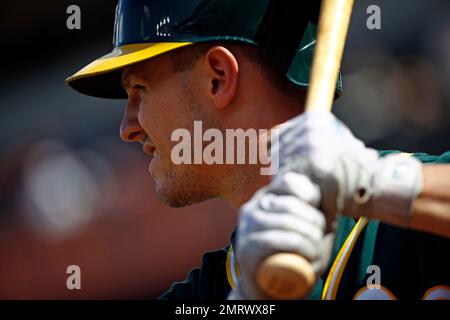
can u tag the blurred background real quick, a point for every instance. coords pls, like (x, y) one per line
(71, 193)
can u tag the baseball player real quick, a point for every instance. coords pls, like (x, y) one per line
(245, 64)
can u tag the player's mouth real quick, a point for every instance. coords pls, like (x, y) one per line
(149, 149)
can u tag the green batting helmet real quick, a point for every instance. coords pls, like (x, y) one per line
(284, 30)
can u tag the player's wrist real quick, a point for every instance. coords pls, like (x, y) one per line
(397, 181)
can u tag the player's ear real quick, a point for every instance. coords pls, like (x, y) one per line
(222, 68)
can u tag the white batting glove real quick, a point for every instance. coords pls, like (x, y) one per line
(280, 218)
(353, 179)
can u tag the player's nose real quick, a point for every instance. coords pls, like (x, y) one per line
(130, 128)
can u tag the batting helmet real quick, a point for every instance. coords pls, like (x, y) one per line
(284, 30)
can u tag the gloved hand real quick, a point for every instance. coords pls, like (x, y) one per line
(322, 165)
(353, 179)
(280, 217)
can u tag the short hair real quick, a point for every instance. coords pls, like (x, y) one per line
(184, 59)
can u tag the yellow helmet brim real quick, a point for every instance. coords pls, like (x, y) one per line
(102, 78)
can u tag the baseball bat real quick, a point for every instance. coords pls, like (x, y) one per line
(288, 275)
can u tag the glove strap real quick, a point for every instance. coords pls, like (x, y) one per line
(398, 181)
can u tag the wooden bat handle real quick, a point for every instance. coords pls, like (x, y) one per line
(332, 32)
(287, 275)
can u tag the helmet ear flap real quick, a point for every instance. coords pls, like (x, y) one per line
(287, 34)
(300, 68)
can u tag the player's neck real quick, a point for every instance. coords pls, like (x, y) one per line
(242, 191)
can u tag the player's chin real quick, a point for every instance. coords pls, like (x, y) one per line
(180, 197)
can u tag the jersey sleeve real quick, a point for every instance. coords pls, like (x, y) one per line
(423, 157)
(426, 158)
(207, 283)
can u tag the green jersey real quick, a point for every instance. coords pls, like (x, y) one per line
(370, 260)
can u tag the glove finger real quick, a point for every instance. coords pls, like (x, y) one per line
(325, 251)
(259, 245)
(289, 205)
(297, 184)
(288, 222)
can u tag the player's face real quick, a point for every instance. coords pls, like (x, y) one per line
(159, 102)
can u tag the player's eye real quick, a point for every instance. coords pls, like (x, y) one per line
(139, 87)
